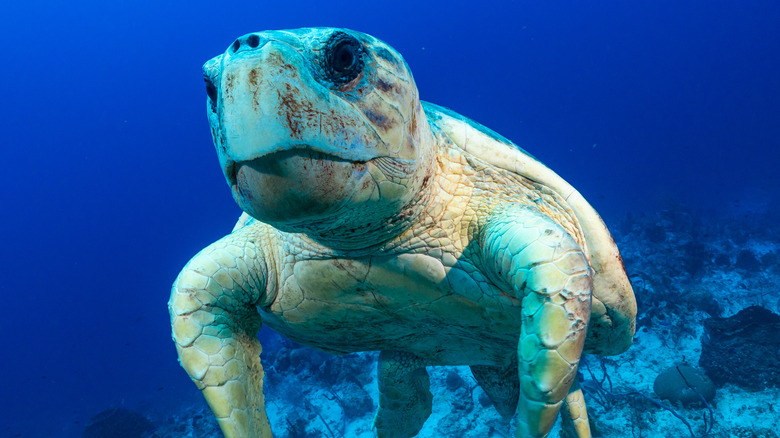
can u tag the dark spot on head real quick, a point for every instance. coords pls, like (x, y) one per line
(409, 143)
(387, 56)
(253, 41)
(380, 120)
(384, 86)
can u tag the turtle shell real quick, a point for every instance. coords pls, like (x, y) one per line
(613, 309)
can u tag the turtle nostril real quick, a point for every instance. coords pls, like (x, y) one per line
(244, 42)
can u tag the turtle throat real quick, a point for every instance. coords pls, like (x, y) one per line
(371, 221)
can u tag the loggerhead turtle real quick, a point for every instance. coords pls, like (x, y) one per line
(374, 221)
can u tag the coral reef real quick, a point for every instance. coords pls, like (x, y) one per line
(118, 423)
(743, 349)
(190, 422)
(684, 385)
(333, 391)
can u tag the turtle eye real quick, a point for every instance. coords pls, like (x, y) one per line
(343, 59)
(211, 91)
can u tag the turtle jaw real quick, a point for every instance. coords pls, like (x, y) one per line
(230, 166)
(339, 203)
(290, 188)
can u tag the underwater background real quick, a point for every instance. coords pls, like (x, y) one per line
(665, 115)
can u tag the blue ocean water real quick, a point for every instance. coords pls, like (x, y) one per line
(110, 180)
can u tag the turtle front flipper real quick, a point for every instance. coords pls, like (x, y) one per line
(215, 324)
(541, 264)
(405, 399)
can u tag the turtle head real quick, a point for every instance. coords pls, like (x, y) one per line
(319, 130)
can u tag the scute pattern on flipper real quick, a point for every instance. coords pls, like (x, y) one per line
(552, 275)
(213, 319)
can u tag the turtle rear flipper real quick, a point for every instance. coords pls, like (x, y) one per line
(501, 386)
(405, 399)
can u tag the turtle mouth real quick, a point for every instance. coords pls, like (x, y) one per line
(293, 185)
(319, 161)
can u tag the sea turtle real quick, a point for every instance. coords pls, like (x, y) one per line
(377, 222)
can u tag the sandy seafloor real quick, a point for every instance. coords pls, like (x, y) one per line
(679, 266)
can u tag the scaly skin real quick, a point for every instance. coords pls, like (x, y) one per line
(215, 327)
(405, 399)
(380, 223)
(546, 267)
(576, 418)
